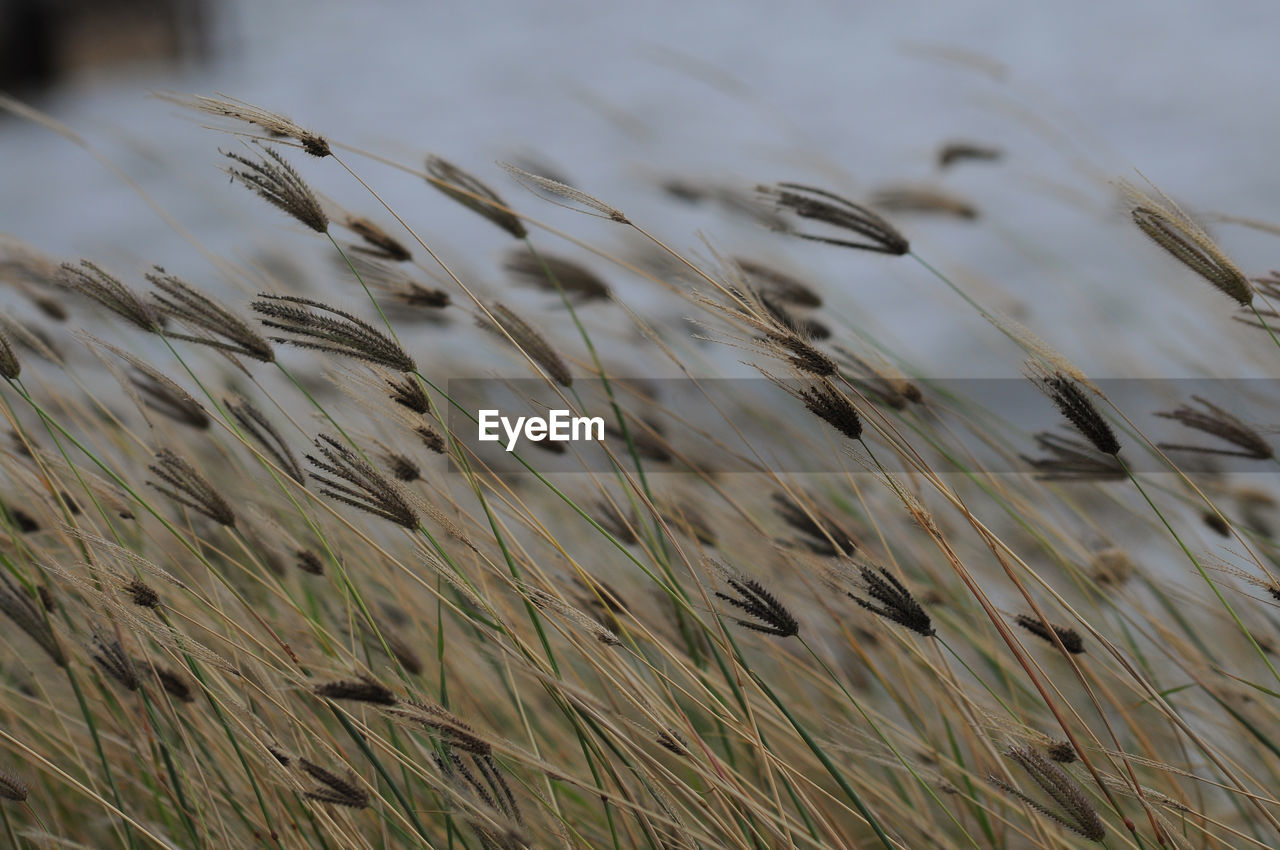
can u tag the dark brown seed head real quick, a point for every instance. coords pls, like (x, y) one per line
(142, 594)
(335, 789)
(13, 788)
(807, 202)
(1191, 246)
(363, 689)
(889, 598)
(797, 351)
(779, 284)
(18, 606)
(1066, 803)
(215, 325)
(10, 367)
(94, 283)
(277, 183)
(555, 274)
(115, 662)
(1063, 752)
(353, 481)
(402, 466)
(1217, 422)
(952, 153)
(473, 195)
(408, 392)
(1073, 460)
(507, 324)
(922, 199)
(828, 403)
(378, 242)
(159, 393)
(273, 124)
(309, 562)
(430, 438)
(180, 481)
(1216, 523)
(768, 615)
(452, 729)
(824, 537)
(256, 424)
(1074, 403)
(320, 327)
(1070, 638)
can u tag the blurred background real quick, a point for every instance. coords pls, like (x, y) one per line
(633, 101)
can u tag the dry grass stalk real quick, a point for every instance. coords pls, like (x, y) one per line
(551, 189)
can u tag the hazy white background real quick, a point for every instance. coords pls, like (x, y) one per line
(850, 95)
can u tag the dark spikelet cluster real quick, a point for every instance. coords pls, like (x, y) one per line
(1075, 405)
(1070, 460)
(922, 199)
(10, 366)
(362, 689)
(407, 392)
(216, 326)
(450, 728)
(819, 205)
(142, 594)
(22, 609)
(353, 481)
(13, 788)
(272, 123)
(332, 788)
(530, 341)
(614, 521)
(890, 599)
(474, 195)
(256, 425)
(378, 243)
(1063, 752)
(952, 153)
(115, 662)
(1189, 245)
(491, 791)
(1070, 638)
(825, 401)
(556, 273)
(277, 183)
(180, 481)
(799, 352)
(430, 438)
(805, 328)
(175, 684)
(1216, 422)
(92, 282)
(1067, 804)
(308, 562)
(320, 327)
(778, 284)
(402, 466)
(165, 397)
(770, 616)
(822, 538)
